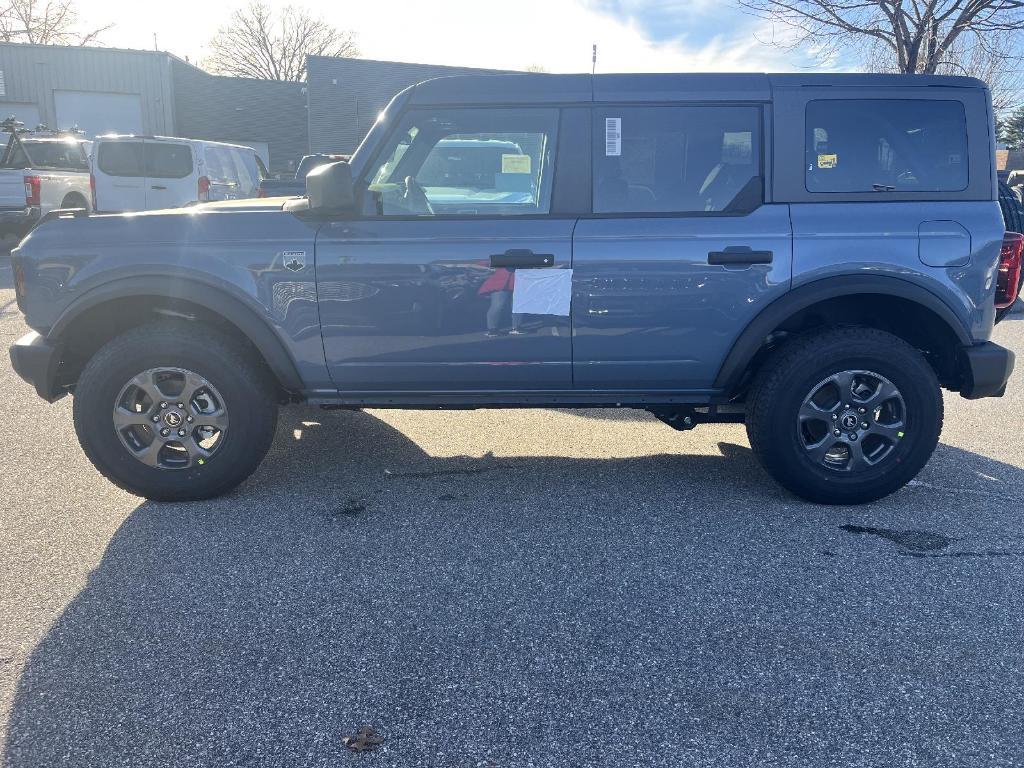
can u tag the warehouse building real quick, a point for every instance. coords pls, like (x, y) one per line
(104, 90)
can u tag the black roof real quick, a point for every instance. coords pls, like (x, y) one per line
(544, 88)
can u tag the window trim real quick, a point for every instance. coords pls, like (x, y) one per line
(891, 194)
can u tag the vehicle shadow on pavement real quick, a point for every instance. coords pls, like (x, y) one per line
(662, 609)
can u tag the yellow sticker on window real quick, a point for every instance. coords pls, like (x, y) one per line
(515, 163)
(828, 161)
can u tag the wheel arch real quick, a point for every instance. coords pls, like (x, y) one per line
(116, 306)
(832, 299)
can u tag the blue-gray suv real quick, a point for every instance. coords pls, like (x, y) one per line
(814, 255)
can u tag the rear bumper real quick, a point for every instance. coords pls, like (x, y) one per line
(18, 222)
(37, 362)
(986, 369)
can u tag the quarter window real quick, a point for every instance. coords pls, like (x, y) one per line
(168, 161)
(676, 159)
(886, 145)
(466, 162)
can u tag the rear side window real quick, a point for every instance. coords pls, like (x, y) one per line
(121, 158)
(886, 145)
(168, 161)
(676, 159)
(63, 155)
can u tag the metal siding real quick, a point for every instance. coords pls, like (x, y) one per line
(345, 95)
(33, 72)
(241, 109)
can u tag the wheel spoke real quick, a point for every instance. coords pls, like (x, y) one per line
(123, 418)
(810, 412)
(147, 383)
(886, 391)
(819, 450)
(193, 383)
(891, 432)
(195, 451)
(857, 459)
(150, 455)
(218, 419)
(844, 382)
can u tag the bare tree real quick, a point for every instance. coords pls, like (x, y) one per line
(917, 36)
(273, 46)
(994, 60)
(45, 22)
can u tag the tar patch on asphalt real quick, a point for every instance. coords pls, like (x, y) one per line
(366, 739)
(351, 508)
(921, 543)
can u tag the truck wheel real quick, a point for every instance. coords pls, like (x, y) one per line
(174, 413)
(845, 416)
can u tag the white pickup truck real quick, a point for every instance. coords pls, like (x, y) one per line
(40, 172)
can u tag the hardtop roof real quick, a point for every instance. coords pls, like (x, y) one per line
(539, 88)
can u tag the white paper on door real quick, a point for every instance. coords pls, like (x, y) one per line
(542, 292)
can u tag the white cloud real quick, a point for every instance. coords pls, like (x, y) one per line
(555, 34)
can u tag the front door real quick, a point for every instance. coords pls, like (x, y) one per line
(681, 254)
(439, 285)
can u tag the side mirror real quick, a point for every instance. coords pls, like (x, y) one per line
(329, 188)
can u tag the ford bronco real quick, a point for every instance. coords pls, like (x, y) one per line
(814, 255)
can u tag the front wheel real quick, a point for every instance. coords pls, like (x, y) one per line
(845, 416)
(174, 413)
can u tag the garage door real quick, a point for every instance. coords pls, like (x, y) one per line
(26, 113)
(97, 113)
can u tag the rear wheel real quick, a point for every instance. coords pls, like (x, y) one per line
(174, 412)
(846, 416)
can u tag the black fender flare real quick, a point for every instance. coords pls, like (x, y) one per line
(771, 317)
(212, 299)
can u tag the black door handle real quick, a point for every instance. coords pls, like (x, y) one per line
(741, 256)
(521, 257)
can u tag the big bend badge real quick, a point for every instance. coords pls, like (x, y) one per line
(293, 260)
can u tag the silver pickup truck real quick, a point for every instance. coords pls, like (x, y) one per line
(41, 172)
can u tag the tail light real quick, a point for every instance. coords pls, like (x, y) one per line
(32, 190)
(204, 189)
(92, 189)
(19, 280)
(1008, 280)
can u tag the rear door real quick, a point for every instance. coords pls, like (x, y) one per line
(681, 252)
(171, 180)
(120, 173)
(221, 171)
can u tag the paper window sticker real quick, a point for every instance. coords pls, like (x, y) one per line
(542, 292)
(828, 161)
(515, 163)
(612, 136)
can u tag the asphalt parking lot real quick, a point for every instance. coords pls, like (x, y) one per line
(510, 588)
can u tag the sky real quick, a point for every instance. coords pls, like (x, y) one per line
(631, 35)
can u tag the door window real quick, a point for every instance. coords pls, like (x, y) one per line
(165, 160)
(121, 158)
(886, 145)
(677, 159)
(466, 162)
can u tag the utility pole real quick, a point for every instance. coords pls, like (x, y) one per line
(593, 60)
(155, 46)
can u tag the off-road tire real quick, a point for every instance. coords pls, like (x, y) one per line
(793, 371)
(243, 381)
